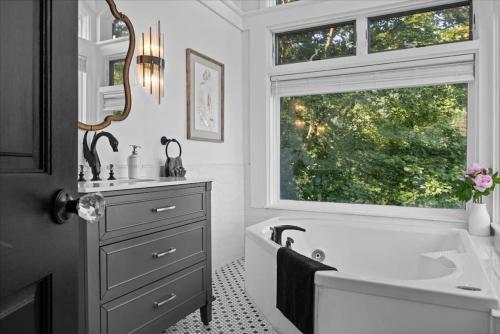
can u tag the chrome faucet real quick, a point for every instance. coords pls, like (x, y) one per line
(91, 155)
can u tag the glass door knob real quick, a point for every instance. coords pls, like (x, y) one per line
(89, 207)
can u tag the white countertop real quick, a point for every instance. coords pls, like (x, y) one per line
(124, 184)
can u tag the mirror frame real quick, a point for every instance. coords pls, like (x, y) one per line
(126, 71)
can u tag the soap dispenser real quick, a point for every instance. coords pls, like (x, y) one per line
(134, 163)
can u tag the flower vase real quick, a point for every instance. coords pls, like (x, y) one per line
(479, 220)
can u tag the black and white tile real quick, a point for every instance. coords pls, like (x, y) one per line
(233, 312)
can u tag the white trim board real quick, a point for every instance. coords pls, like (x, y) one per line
(496, 106)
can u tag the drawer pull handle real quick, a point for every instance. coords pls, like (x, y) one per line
(163, 302)
(158, 255)
(166, 208)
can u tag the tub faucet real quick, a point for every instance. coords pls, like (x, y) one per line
(278, 231)
(91, 155)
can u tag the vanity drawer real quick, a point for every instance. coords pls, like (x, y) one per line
(128, 265)
(162, 302)
(138, 212)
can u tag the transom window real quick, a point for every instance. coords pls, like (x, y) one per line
(283, 2)
(335, 40)
(118, 29)
(438, 25)
(423, 27)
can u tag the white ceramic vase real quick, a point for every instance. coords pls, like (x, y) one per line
(479, 220)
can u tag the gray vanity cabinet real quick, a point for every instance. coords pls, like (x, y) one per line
(148, 261)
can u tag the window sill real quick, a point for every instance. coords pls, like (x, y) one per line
(438, 215)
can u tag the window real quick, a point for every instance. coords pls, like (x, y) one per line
(118, 29)
(282, 2)
(370, 130)
(335, 40)
(116, 71)
(402, 146)
(439, 25)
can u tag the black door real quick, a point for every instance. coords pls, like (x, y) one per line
(38, 117)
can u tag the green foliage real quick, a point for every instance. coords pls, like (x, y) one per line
(117, 69)
(119, 29)
(390, 147)
(420, 29)
(318, 43)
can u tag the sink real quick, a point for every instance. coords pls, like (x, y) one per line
(109, 183)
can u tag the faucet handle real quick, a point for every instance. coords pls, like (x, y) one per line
(81, 175)
(111, 172)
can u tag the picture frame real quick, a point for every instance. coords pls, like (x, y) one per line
(205, 97)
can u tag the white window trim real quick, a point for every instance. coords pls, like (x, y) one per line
(496, 107)
(428, 54)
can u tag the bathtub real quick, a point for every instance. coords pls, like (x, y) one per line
(392, 278)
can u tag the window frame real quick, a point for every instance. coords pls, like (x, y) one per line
(423, 10)
(364, 58)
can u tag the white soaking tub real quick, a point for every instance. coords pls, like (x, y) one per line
(392, 278)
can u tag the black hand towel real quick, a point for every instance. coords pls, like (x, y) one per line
(295, 287)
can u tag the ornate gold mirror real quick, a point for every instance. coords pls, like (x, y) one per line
(106, 42)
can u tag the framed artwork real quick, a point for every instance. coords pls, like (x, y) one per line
(205, 97)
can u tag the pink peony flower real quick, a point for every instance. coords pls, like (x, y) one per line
(475, 169)
(483, 182)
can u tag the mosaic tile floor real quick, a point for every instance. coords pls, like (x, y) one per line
(233, 312)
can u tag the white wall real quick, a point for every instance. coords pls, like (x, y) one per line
(188, 24)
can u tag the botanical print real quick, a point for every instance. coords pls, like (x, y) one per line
(206, 99)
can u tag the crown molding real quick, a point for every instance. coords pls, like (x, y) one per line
(226, 10)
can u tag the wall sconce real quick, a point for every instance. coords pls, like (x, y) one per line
(151, 62)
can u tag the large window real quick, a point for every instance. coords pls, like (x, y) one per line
(451, 23)
(373, 128)
(401, 146)
(335, 40)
